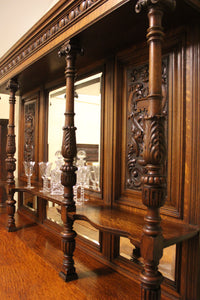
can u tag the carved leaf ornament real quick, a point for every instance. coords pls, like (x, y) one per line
(138, 80)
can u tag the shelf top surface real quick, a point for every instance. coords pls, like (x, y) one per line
(115, 220)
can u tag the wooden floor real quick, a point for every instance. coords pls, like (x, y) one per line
(30, 260)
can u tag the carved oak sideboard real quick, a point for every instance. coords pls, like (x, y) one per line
(149, 133)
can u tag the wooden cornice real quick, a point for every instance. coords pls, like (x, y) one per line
(62, 22)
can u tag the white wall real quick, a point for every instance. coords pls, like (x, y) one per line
(17, 17)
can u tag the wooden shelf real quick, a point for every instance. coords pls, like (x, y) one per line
(115, 220)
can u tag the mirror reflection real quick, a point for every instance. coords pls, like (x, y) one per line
(87, 103)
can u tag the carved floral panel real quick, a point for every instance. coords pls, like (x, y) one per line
(29, 130)
(138, 88)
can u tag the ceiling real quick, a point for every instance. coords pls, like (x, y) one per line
(17, 17)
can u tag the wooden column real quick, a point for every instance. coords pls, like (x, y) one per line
(68, 177)
(3, 172)
(12, 86)
(154, 153)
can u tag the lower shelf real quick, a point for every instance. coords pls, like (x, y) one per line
(114, 220)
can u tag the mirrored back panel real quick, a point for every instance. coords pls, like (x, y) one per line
(87, 101)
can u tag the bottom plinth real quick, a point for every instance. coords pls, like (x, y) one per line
(68, 278)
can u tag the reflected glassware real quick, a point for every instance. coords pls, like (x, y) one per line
(81, 183)
(94, 177)
(45, 171)
(81, 161)
(56, 187)
(28, 167)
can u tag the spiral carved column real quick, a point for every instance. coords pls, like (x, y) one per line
(154, 152)
(12, 86)
(68, 177)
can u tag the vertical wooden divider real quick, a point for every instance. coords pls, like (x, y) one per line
(68, 178)
(12, 86)
(154, 153)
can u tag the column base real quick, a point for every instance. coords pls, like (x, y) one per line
(11, 228)
(69, 277)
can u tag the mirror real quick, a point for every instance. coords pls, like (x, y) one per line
(87, 103)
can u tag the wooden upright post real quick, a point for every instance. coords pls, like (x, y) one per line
(154, 182)
(12, 86)
(68, 177)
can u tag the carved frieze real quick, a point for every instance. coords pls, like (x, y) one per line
(138, 89)
(50, 32)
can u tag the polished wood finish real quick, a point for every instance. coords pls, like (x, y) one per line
(12, 86)
(153, 156)
(68, 176)
(120, 211)
(104, 218)
(3, 173)
(36, 259)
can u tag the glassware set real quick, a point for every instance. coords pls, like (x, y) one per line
(87, 176)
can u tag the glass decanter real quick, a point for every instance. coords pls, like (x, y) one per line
(56, 186)
(81, 174)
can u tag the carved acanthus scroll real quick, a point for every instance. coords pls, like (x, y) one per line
(138, 89)
(29, 130)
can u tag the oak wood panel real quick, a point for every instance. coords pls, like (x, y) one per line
(190, 259)
(175, 55)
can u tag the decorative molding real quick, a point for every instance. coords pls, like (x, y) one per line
(50, 32)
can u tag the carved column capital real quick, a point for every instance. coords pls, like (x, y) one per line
(164, 4)
(70, 48)
(12, 86)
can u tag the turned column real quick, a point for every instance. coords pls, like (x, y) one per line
(154, 153)
(68, 178)
(12, 86)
